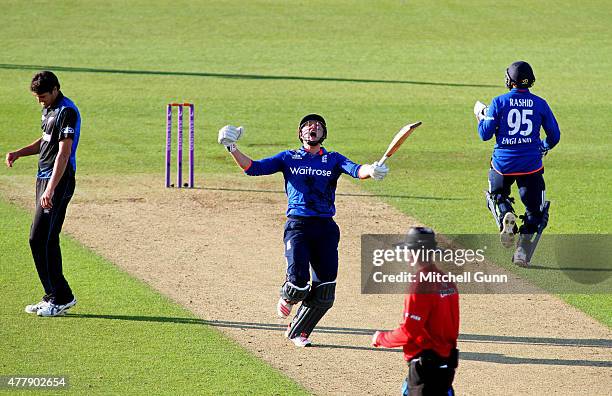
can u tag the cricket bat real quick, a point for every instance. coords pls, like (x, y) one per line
(398, 140)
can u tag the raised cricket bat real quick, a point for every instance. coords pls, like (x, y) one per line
(398, 140)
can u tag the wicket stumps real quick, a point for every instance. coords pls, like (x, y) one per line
(179, 144)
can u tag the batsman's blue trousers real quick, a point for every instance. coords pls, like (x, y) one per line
(311, 245)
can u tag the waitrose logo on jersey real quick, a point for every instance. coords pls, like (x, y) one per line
(310, 171)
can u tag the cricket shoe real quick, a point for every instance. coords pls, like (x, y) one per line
(506, 236)
(301, 341)
(283, 308)
(520, 257)
(34, 308)
(56, 309)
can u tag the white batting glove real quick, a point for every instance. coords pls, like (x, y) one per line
(375, 339)
(480, 110)
(229, 135)
(376, 171)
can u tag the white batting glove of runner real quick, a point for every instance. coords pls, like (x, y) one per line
(229, 135)
(377, 172)
(480, 110)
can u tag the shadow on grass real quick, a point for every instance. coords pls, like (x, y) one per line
(542, 267)
(488, 357)
(473, 356)
(479, 338)
(337, 194)
(234, 76)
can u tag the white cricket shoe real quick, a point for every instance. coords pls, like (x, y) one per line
(56, 309)
(283, 308)
(506, 236)
(520, 257)
(33, 308)
(301, 341)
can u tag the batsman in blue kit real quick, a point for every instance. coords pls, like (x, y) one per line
(311, 236)
(515, 119)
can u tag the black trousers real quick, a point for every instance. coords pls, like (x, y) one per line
(430, 377)
(45, 241)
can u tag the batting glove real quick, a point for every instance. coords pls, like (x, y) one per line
(375, 339)
(229, 135)
(480, 110)
(378, 172)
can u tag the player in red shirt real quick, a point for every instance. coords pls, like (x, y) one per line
(430, 326)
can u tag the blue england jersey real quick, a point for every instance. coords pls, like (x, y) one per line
(515, 119)
(310, 179)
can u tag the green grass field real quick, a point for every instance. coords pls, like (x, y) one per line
(368, 67)
(130, 341)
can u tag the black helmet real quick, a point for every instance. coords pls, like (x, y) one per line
(420, 238)
(313, 117)
(521, 74)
